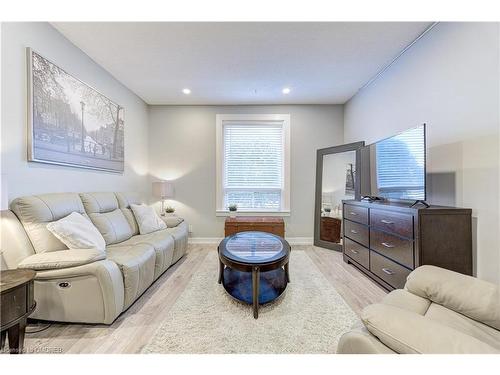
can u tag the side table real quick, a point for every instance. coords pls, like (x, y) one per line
(17, 300)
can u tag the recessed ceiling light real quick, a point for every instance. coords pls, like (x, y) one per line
(286, 90)
(186, 91)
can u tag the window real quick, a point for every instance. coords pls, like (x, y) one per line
(253, 163)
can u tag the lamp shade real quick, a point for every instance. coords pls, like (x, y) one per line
(163, 189)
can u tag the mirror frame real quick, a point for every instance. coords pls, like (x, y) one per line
(356, 146)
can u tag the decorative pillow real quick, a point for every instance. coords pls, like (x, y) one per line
(147, 218)
(172, 221)
(77, 232)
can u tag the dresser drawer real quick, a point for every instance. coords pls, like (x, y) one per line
(394, 222)
(396, 248)
(356, 232)
(356, 213)
(392, 273)
(357, 252)
(13, 304)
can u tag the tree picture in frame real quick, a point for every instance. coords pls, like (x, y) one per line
(350, 178)
(70, 123)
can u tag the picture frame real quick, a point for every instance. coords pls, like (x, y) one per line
(70, 123)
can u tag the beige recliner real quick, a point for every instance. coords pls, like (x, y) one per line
(438, 312)
(87, 286)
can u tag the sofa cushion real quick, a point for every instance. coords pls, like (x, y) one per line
(467, 295)
(113, 226)
(99, 202)
(125, 199)
(408, 301)
(61, 259)
(102, 208)
(147, 218)
(77, 232)
(137, 265)
(463, 324)
(35, 212)
(409, 333)
(162, 242)
(180, 234)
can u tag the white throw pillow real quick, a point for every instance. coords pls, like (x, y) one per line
(77, 232)
(147, 218)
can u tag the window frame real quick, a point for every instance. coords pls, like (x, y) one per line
(256, 119)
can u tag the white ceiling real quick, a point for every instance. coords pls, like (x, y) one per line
(242, 63)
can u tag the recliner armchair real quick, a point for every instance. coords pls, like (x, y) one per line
(438, 311)
(85, 285)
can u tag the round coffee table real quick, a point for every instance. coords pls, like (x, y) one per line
(253, 267)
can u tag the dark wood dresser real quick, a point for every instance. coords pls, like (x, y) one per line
(388, 240)
(269, 224)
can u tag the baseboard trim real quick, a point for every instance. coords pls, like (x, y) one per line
(204, 240)
(217, 240)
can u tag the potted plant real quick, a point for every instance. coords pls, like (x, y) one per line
(327, 211)
(169, 211)
(232, 210)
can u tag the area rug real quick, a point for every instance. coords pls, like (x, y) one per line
(309, 317)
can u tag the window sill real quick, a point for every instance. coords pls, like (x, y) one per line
(253, 213)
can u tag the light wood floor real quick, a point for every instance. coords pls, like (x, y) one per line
(134, 328)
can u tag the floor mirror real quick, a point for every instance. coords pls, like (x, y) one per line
(336, 180)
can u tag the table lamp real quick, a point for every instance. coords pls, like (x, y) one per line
(163, 190)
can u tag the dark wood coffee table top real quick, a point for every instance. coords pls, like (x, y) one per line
(254, 248)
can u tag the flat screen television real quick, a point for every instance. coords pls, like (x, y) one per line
(394, 168)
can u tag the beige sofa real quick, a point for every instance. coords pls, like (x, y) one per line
(87, 286)
(439, 311)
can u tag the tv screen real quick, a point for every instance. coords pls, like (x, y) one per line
(394, 168)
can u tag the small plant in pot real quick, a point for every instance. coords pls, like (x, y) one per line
(327, 211)
(232, 209)
(169, 210)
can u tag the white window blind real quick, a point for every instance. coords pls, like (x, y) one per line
(253, 165)
(401, 165)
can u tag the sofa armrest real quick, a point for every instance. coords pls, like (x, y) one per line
(96, 294)
(61, 259)
(172, 221)
(469, 296)
(407, 332)
(360, 341)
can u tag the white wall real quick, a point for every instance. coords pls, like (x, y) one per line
(449, 80)
(25, 178)
(182, 148)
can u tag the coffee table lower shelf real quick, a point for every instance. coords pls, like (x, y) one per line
(239, 285)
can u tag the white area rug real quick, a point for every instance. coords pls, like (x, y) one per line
(309, 317)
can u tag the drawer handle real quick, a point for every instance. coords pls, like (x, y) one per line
(353, 213)
(354, 231)
(385, 244)
(354, 251)
(386, 221)
(388, 271)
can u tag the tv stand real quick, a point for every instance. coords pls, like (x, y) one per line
(417, 202)
(370, 198)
